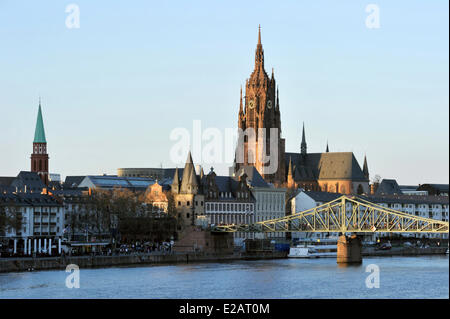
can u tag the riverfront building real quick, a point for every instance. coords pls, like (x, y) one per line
(259, 108)
(436, 207)
(243, 198)
(269, 200)
(34, 221)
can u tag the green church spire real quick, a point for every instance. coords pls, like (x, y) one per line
(39, 133)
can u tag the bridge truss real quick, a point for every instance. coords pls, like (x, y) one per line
(344, 214)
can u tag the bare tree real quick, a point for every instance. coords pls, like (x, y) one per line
(15, 220)
(376, 179)
(3, 220)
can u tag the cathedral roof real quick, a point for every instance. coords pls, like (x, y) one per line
(331, 165)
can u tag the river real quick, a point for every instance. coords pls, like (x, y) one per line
(399, 277)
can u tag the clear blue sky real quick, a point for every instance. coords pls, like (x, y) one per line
(113, 89)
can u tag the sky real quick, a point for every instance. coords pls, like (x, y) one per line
(115, 88)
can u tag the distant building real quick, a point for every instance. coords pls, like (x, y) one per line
(435, 189)
(54, 177)
(153, 173)
(388, 187)
(228, 200)
(412, 190)
(108, 182)
(24, 182)
(5, 184)
(156, 197)
(270, 200)
(73, 181)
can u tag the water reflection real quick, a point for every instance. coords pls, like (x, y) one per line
(401, 277)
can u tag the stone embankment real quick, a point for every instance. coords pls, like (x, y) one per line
(48, 263)
(404, 251)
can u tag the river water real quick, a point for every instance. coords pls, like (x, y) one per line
(399, 277)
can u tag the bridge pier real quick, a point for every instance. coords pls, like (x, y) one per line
(349, 250)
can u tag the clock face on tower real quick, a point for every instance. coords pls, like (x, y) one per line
(251, 104)
(269, 104)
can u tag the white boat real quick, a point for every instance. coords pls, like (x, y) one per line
(310, 249)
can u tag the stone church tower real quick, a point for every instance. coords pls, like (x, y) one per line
(39, 158)
(187, 194)
(261, 110)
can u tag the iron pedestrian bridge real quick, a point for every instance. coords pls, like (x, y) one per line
(344, 214)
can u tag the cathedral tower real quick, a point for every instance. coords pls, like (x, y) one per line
(39, 158)
(261, 110)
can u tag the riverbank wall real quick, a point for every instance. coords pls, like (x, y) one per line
(404, 251)
(49, 263)
(52, 263)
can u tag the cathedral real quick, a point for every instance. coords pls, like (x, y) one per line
(259, 108)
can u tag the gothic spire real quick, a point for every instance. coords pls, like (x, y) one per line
(39, 133)
(303, 145)
(176, 182)
(202, 173)
(290, 167)
(241, 110)
(365, 168)
(277, 106)
(327, 150)
(189, 181)
(259, 34)
(259, 54)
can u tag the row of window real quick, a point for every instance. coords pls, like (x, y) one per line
(188, 203)
(229, 207)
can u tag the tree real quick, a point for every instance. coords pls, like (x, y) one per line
(376, 179)
(376, 182)
(3, 220)
(15, 219)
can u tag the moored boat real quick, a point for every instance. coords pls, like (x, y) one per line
(311, 249)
